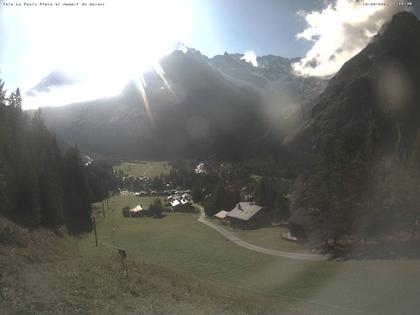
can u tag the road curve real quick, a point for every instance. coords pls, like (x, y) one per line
(255, 248)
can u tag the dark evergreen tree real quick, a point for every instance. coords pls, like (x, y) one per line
(327, 193)
(156, 208)
(197, 194)
(76, 194)
(38, 186)
(4, 202)
(222, 198)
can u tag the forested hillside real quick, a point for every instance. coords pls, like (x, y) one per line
(377, 87)
(39, 185)
(365, 132)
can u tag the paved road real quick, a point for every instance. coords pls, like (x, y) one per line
(255, 248)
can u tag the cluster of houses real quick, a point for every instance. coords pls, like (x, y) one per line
(245, 215)
(181, 201)
(144, 193)
(178, 200)
(200, 169)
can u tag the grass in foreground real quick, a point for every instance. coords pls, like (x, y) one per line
(180, 243)
(144, 168)
(46, 275)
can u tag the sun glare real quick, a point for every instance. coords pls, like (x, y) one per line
(103, 47)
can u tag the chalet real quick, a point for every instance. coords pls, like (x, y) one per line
(247, 215)
(175, 203)
(137, 211)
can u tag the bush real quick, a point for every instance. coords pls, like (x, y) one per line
(155, 209)
(126, 211)
(11, 234)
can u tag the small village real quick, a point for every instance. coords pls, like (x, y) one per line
(246, 214)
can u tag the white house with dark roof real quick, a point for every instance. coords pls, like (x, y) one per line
(180, 202)
(137, 211)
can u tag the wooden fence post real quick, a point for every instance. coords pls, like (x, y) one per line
(103, 208)
(94, 228)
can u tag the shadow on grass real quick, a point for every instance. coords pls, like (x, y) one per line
(385, 250)
(159, 216)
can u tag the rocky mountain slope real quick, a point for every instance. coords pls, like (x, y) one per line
(198, 113)
(378, 88)
(221, 106)
(54, 79)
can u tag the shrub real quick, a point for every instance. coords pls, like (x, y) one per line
(155, 209)
(126, 211)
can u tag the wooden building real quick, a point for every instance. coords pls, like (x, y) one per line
(247, 215)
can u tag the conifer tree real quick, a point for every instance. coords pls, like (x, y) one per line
(76, 194)
(39, 186)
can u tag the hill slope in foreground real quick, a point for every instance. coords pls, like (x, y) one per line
(44, 274)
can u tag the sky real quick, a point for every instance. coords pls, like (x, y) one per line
(265, 26)
(108, 44)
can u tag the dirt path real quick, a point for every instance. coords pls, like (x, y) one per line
(273, 252)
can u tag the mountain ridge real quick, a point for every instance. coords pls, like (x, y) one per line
(377, 87)
(199, 110)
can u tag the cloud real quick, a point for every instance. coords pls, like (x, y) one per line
(338, 32)
(250, 57)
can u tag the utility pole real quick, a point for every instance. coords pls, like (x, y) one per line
(94, 228)
(103, 208)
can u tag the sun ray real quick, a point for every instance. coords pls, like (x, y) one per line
(141, 86)
(161, 73)
(142, 32)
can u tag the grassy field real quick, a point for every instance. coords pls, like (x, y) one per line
(269, 237)
(179, 242)
(144, 168)
(42, 273)
(117, 203)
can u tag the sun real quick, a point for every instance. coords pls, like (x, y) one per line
(104, 47)
(131, 35)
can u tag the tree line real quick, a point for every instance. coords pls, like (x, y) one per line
(345, 195)
(360, 196)
(40, 186)
(224, 183)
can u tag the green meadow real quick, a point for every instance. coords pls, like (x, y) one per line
(180, 243)
(144, 168)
